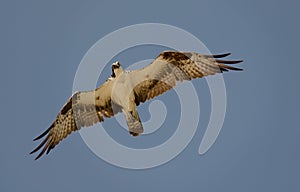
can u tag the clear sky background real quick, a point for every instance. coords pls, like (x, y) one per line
(42, 44)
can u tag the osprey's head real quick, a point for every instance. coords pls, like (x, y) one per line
(116, 69)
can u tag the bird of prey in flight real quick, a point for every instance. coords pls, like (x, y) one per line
(125, 90)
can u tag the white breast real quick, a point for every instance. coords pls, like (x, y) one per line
(122, 90)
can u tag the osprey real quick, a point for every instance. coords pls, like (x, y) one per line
(125, 90)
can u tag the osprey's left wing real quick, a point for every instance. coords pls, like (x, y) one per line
(172, 66)
(83, 109)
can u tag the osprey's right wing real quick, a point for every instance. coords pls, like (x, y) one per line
(172, 66)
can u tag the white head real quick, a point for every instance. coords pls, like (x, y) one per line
(116, 69)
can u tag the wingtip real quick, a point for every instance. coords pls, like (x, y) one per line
(229, 61)
(43, 134)
(223, 55)
(239, 61)
(43, 150)
(219, 55)
(35, 139)
(37, 157)
(239, 69)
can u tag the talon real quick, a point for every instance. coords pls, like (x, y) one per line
(134, 134)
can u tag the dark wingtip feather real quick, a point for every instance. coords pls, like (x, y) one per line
(44, 149)
(218, 55)
(40, 145)
(223, 69)
(229, 62)
(41, 153)
(43, 134)
(236, 69)
(50, 148)
(226, 68)
(221, 55)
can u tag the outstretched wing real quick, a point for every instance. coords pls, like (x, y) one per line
(172, 66)
(83, 109)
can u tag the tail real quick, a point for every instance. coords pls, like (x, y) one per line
(134, 123)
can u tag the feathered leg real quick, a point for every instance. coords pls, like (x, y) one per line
(133, 121)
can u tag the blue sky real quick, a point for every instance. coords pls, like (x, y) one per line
(257, 149)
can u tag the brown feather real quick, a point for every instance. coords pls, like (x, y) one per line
(218, 55)
(43, 134)
(40, 145)
(171, 66)
(44, 149)
(229, 62)
(81, 110)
